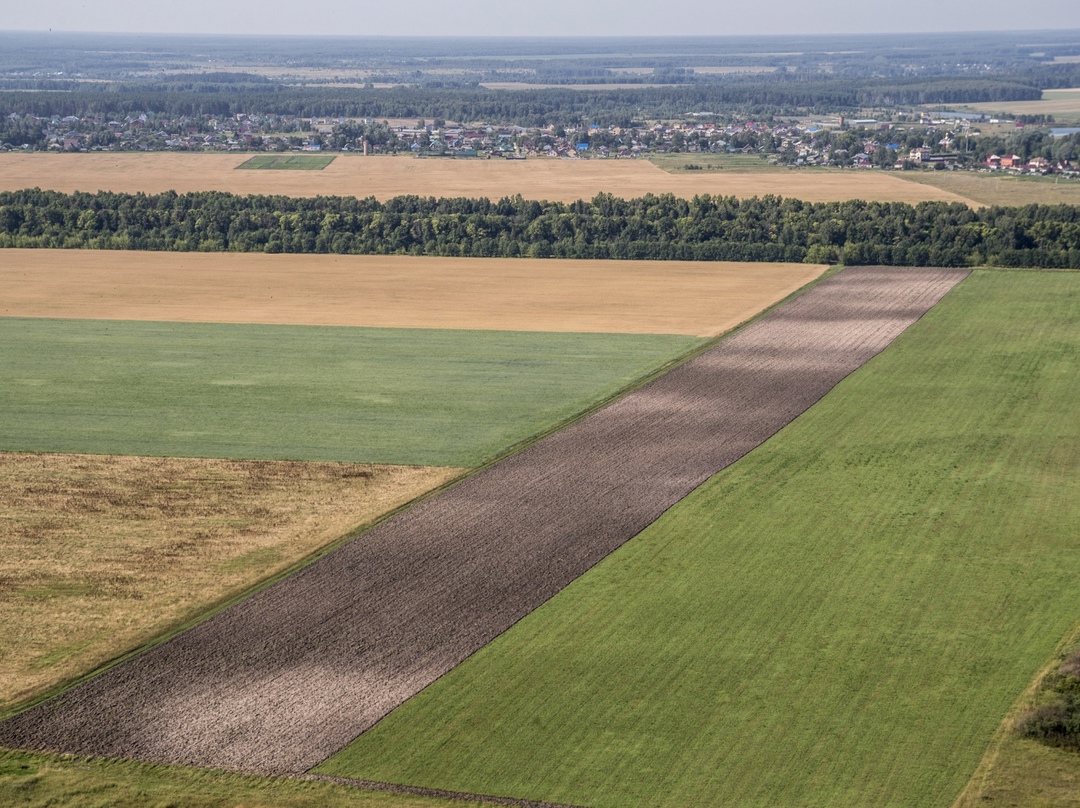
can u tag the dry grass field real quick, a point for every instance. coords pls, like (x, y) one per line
(100, 553)
(1000, 189)
(386, 177)
(1063, 104)
(644, 297)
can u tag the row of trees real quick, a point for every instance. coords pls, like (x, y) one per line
(532, 107)
(650, 227)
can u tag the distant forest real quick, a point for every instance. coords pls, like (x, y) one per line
(48, 74)
(705, 228)
(526, 107)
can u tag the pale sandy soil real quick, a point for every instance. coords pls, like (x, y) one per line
(648, 297)
(99, 553)
(385, 177)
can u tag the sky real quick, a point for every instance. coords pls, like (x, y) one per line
(534, 17)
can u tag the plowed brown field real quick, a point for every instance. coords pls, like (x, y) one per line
(645, 297)
(385, 177)
(283, 679)
(99, 553)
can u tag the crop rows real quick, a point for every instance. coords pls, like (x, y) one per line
(284, 679)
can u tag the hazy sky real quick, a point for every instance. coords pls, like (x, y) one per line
(534, 17)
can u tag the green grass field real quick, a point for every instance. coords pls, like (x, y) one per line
(413, 396)
(677, 162)
(288, 162)
(840, 619)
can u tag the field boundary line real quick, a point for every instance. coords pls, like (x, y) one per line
(976, 785)
(707, 344)
(383, 618)
(420, 791)
(226, 602)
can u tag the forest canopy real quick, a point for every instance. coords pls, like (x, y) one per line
(704, 228)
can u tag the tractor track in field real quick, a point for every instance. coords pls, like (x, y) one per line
(282, 680)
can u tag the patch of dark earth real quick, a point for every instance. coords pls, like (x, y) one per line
(282, 680)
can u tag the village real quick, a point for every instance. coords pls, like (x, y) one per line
(910, 141)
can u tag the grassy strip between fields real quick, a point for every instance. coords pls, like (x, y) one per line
(292, 162)
(1022, 772)
(45, 781)
(841, 618)
(302, 392)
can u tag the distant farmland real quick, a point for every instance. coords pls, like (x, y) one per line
(289, 162)
(842, 618)
(386, 177)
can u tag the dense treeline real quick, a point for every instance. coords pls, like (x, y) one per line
(707, 228)
(532, 107)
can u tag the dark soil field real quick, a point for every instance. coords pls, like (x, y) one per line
(284, 679)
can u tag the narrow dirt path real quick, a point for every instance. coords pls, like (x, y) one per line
(286, 678)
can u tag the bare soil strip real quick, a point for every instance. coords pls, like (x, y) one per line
(282, 680)
(385, 177)
(517, 294)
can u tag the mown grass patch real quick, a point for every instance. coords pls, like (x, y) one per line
(289, 162)
(841, 618)
(411, 396)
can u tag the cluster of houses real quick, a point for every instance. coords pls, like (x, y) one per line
(826, 142)
(156, 132)
(1016, 164)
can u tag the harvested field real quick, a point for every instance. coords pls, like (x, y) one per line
(100, 553)
(287, 677)
(386, 177)
(520, 294)
(1063, 104)
(1001, 189)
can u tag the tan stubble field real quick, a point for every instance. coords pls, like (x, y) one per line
(386, 177)
(644, 297)
(101, 553)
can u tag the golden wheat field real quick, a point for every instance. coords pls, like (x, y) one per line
(385, 177)
(100, 553)
(646, 297)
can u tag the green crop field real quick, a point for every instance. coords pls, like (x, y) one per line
(289, 162)
(413, 396)
(678, 162)
(840, 619)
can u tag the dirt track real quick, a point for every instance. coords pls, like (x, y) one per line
(284, 679)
